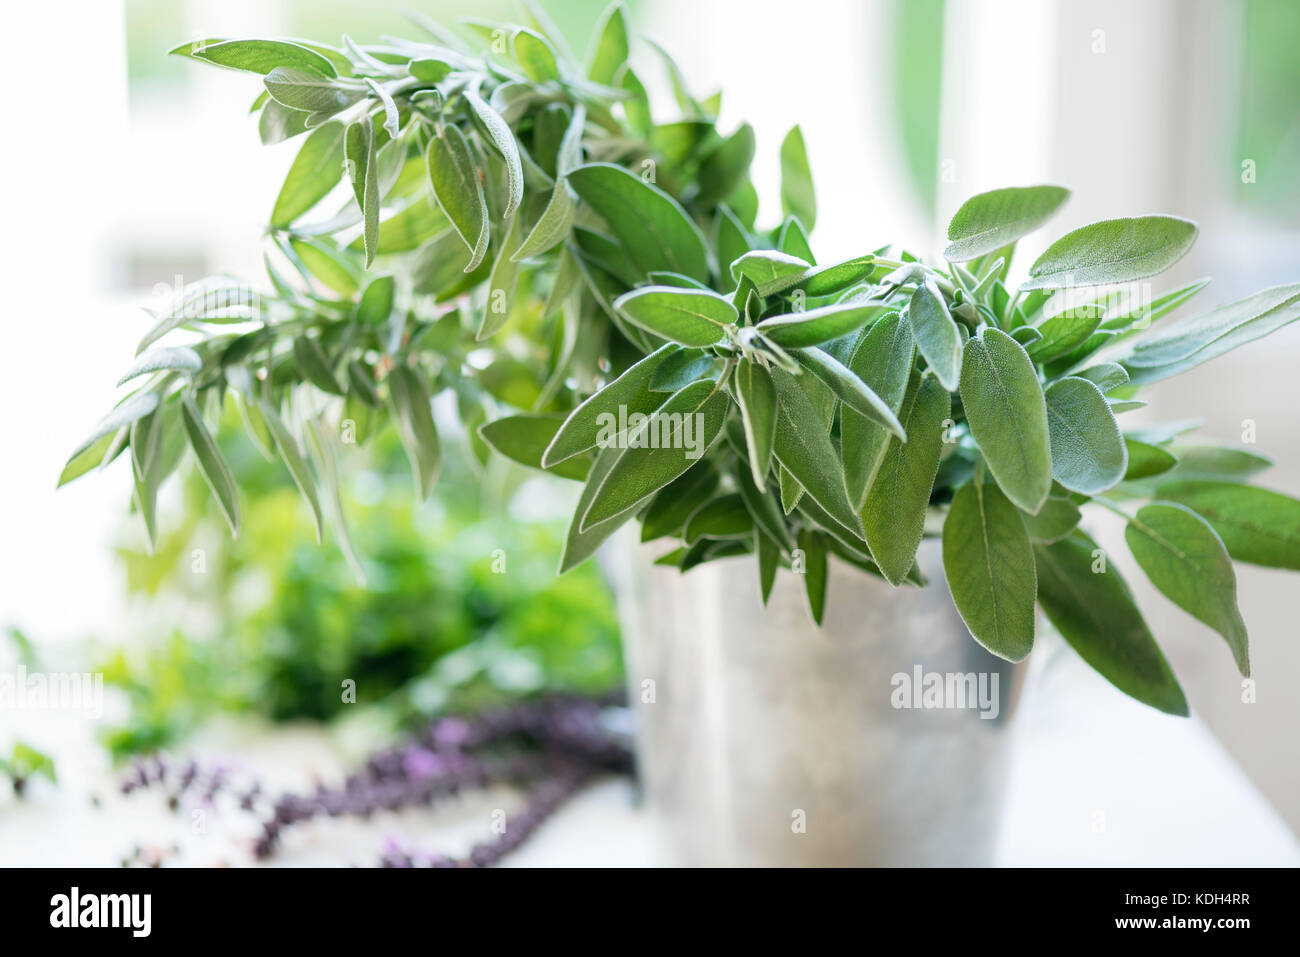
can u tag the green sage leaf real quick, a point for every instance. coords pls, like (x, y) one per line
(882, 359)
(799, 330)
(893, 514)
(629, 394)
(164, 358)
(797, 195)
(771, 271)
(453, 175)
(503, 139)
(1113, 251)
(360, 149)
(989, 221)
(1089, 603)
(690, 317)
(611, 49)
(1256, 525)
(257, 56)
(412, 412)
(1088, 453)
(756, 396)
(807, 453)
(1187, 561)
(314, 173)
(308, 91)
(1146, 460)
(936, 334)
(672, 439)
(212, 465)
(291, 454)
(989, 563)
(650, 225)
(852, 391)
(1007, 415)
(815, 571)
(523, 439)
(1189, 342)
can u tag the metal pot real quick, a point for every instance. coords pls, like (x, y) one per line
(765, 740)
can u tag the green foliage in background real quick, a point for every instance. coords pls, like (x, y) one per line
(1268, 128)
(513, 230)
(460, 608)
(24, 763)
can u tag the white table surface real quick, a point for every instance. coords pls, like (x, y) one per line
(1096, 780)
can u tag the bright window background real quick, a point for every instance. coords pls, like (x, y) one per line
(132, 168)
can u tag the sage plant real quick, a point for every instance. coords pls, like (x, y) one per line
(482, 217)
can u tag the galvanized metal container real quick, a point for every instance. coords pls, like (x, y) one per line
(765, 740)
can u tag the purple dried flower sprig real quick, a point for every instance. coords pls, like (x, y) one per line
(551, 747)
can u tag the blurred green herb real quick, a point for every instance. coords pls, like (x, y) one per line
(461, 607)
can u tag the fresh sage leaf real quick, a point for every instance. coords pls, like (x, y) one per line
(682, 368)
(1007, 415)
(377, 301)
(291, 454)
(314, 173)
(987, 222)
(1088, 453)
(799, 330)
(308, 91)
(852, 391)
(771, 271)
(756, 396)
(936, 334)
(676, 501)
(315, 365)
(806, 451)
(535, 56)
(726, 167)
(1089, 603)
(523, 439)
(1113, 251)
(611, 48)
(1146, 460)
(1256, 525)
(797, 195)
(893, 515)
(1216, 463)
(671, 440)
(581, 543)
(164, 359)
(630, 394)
(360, 149)
(257, 56)
(1187, 561)
(453, 175)
(723, 517)
(650, 224)
(829, 280)
(1065, 332)
(815, 572)
(503, 139)
(687, 316)
(769, 559)
(989, 563)
(1055, 520)
(1189, 342)
(212, 464)
(412, 412)
(882, 359)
